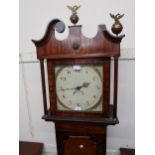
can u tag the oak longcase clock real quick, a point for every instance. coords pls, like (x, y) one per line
(79, 85)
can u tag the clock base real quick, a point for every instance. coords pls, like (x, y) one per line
(80, 139)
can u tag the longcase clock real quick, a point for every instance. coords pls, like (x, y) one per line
(79, 85)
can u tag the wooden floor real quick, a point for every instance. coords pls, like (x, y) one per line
(33, 148)
(125, 151)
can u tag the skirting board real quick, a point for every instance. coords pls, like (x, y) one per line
(51, 150)
(109, 152)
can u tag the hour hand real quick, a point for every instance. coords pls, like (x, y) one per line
(78, 91)
(86, 84)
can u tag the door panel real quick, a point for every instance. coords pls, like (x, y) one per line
(79, 146)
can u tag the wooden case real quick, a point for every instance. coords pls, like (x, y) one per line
(79, 132)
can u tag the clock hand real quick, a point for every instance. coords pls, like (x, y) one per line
(63, 89)
(78, 91)
(85, 85)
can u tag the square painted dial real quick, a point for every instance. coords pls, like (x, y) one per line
(79, 87)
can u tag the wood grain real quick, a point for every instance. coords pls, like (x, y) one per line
(102, 45)
(30, 148)
(80, 128)
(105, 62)
(127, 151)
(43, 86)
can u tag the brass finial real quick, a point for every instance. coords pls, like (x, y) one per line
(74, 17)
(117, 26)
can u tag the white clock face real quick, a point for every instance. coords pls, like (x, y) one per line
(79, 87)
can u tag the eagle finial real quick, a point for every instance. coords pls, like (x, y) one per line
(74, 17)
(117, 26)
(73, 8)
(117, 16)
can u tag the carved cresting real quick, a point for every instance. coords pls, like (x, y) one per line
(76, 45)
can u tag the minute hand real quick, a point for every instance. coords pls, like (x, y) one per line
(85, 85)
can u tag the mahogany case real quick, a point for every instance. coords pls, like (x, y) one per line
(78, 49)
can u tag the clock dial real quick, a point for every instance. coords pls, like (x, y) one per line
(79, 87)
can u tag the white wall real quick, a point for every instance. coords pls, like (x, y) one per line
(34, 17)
